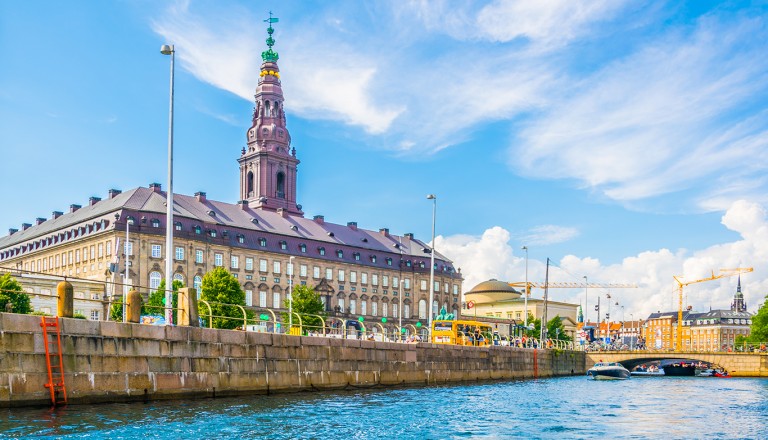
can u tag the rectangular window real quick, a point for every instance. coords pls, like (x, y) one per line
(407, 283)
(275, 267)
(384, 310)
(329, 274)
(394, 310)
(364, 278)
(423, 285)
(156, 251)
(70, 260)
(374, 306)
(445, 288)
(128, 248)
(262, 265)
(58, 261)
(352, 306)
(100, 249)
(179, 253)
(352, 276)
(363, 307)
(199, 256)
(341, 276)
(436, 287)
(94, 315)
(218, 259)
(248, 263)
(341, 304)
(109, 248)
(455, 289)
(262, 298)
(375, 279)
(249, 298)
(92, 255)
(303, 270)
(385, 281)
(316, 272)
(276, 300)
(77, 255)
(395, 282)
(235, 262)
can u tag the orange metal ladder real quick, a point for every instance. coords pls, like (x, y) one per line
(53, 358)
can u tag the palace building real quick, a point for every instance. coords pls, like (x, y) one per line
(357, 272)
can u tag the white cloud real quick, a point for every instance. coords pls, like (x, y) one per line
(549, 234)
(492, 256)
(679, 114)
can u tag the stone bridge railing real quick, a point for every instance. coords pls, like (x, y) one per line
(737, 364)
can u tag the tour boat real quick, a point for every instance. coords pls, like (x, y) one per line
(608, 371)
(652, 370)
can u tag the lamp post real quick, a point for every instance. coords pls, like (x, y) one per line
(431, 289)
(169, 50)
(632, 332)
(525, 320)
(128, 223)
(400, 310)
(290, 292)
(586, 304)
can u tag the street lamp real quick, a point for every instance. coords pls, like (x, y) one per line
(586, 304)
(525, 321)
(290, 293)
(128, 223)
(400, 310)
(632, 332)
(432, 263)
(169, 50)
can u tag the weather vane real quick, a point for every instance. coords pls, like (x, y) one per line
(269, 55)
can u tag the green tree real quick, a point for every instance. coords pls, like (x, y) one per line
(155, 305)
(220, 289)
(11, 292)
(306, 303)
(556, 330)
(116, 310)
(758, 331)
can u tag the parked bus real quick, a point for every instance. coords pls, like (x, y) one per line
(462, 333)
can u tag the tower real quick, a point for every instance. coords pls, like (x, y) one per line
(738, 304)
(268, 163)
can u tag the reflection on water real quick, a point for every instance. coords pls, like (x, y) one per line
(564, 408)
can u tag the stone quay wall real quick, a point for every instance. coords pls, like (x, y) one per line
(114, 362)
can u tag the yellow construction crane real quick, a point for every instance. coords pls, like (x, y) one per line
(569, 285)
(724, 273)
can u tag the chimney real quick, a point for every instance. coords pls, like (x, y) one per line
(93, 200)
(352, 225)
(319, 219)
(73, 208)
(200, 196)
(384, 232)
(243, 204)
(282, 212)
(39, 220)
(56, 214)
(113, 193)
(155, 187)
(408, 235)
(12, 231)
(25, 226)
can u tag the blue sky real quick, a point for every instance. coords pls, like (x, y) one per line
(625, 140)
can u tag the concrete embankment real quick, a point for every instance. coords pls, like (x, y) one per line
(113, 362)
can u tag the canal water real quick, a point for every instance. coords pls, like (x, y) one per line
(558, 408)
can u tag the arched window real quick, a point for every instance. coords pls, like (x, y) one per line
(179, 277)
(154, 280)
(268, 108)
(422, 309)
(280, 185)
(197, 282)
(249, 184)
(276, 298)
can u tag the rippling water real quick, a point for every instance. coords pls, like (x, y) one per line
(563, 408)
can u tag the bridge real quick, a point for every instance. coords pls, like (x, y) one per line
(737, 364)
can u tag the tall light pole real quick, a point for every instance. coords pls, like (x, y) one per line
(525, 322)
(169, 50)
(128, 223)
(632, 332)
(290, 292)
(586, 304)
(432, 264)
(400, 311)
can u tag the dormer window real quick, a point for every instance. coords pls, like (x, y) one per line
(212, 233)
(340, 253)
(240, 238)
(321, 250)
(356, 256)
(177, 226)
(198, 230)
(262, 242)
(283, 245)
(389, 261)
(408, 263)
(373, 258)
(303, 248)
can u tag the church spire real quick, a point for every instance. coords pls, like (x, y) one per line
(268, 164)
(738, 304)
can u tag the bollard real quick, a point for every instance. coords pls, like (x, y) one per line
(187, 313)
(66, 294)
(133, 307)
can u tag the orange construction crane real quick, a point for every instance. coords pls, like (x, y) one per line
(724, 273)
